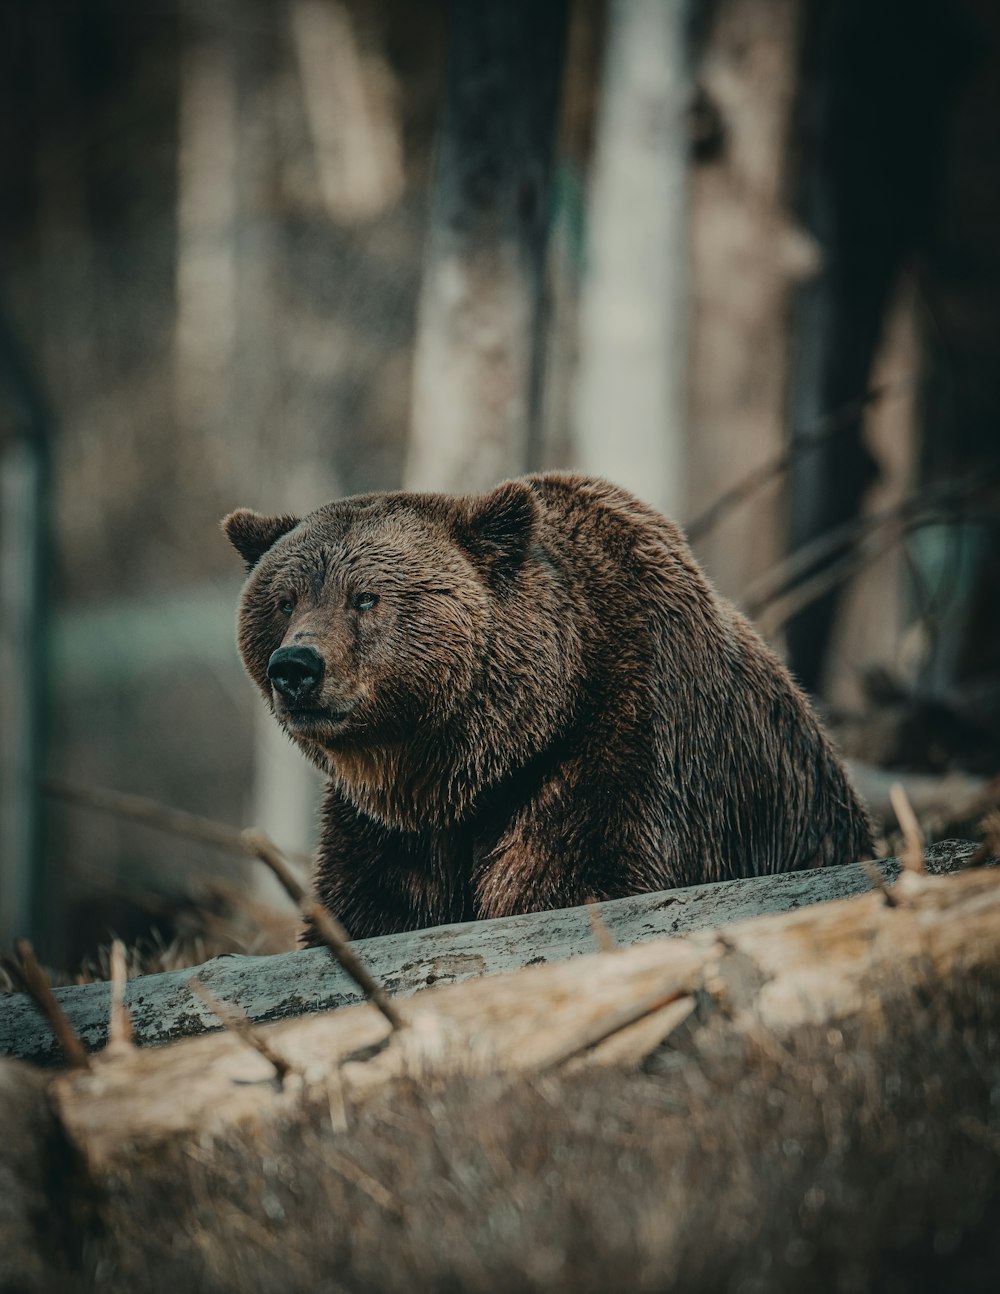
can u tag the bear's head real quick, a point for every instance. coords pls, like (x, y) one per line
(371, 621)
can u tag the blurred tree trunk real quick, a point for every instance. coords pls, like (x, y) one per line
(285, 791)
(205, 275)
(25, 906)
(873, 151)
(629, 406)
(476, 366)
(747, 256)
(228, 358)
(353, 118)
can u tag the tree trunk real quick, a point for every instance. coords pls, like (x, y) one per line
(746, 259)
(24, 909)
(629, 404)
(477, 352)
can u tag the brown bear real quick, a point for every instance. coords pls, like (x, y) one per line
(526, 699)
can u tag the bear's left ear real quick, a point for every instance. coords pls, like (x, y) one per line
(252, 535)
(497, 529)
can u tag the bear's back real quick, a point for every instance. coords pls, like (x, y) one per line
(750, 782)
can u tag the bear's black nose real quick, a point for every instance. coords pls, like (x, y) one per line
(295, 672)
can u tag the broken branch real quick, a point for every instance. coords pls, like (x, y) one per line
(37, 985)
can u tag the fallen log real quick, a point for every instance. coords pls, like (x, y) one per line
(814, 1108)
(763, 978)
(277, 987)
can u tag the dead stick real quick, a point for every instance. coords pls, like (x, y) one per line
(910, 510)
(835, 424)
(36, 984)
(913, 852)
(256, 843)
(327, 926)
(161, 817)
(239, 1024)
(119, 1022)
(336, 939)
(878, 882)
(357, 1176)
(775, 615)
(603, 937)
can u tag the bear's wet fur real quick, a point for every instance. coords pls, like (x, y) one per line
(530, 698)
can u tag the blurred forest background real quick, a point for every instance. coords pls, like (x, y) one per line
(742, 256)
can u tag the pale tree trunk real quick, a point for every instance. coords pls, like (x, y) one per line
(350, 106)
(629, 401)
(227, 356)
(477, 352)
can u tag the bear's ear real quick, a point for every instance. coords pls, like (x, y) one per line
(497, 529)
(252, 535)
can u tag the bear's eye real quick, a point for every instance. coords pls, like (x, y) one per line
(364, 601)
(286, 605)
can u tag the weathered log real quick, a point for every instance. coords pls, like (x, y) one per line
(293, 984)
(764, 978)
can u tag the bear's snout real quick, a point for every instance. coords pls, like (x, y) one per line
(295, 673)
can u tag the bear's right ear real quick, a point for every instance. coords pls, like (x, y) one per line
(252, 535)
(497, 529)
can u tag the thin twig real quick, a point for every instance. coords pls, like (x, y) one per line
(838, 422)
(915, 508)
(990, 847)
(336, 939)
(603, 937)
(254, 842)
(358, 1176)
(776, 615)
(239, 1024)
(120, 1036)
(327, 926)
(36, 984)
(250, 841)
(161, 817)
(878, 882)
(913, 852)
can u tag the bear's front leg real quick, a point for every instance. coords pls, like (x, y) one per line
(575, 840)
(377, 880)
